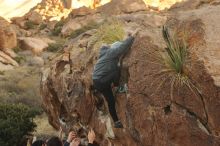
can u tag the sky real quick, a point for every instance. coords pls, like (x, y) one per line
(12, 8)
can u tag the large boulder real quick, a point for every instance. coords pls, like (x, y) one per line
(122, 6)
(35, 17)
(81, 21)
(36, 45)
(19, 21)
(7, 61)
(155, 111)
(8, 38)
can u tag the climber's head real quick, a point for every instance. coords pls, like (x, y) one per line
(38, 143)
(54, 141)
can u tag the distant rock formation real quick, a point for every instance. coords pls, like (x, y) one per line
(8, 40)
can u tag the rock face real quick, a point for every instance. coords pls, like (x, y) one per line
(36, 45)
(123, 6)
(35, 17)
(150, 115)
(8, 38)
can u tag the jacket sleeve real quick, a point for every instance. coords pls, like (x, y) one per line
(120, 48)
(66, 143)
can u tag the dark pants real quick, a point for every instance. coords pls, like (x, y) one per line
(106, 89)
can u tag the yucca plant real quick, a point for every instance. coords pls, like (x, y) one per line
(175, 60)
(176, 52)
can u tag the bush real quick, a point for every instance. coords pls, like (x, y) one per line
(176, 61)
(54, 47)
(17, 49)
(58, 27)
(110, 32)
(20, 59)
(176, 53)
(56, 31)
(21, 85)
(16, 122)
(42, 26)
(89, 26)
(30, 25)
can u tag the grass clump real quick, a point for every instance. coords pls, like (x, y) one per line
(110, 32)
(54, 47)
(89, 26)
(176, 53)
(58, 27)
(17, 49)
(20, 59)
(42, 26)
(56, 31)
(30, 25)
(175, 59)
(2, 73)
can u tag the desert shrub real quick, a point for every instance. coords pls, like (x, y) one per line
(176, 59)
(2, 72)
(42, 26)
(56, 31)
(60, 23)
(176, 53)
(58, 27)
(16, 122)
(21, 85)
(30, 25)
(19, 59)
(89, 26)
(110, 32)
(54, 47)
(17, 49)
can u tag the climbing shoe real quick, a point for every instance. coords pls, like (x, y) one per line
(118, 124)
(122, 89)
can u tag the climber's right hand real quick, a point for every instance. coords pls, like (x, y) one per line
(135, 33)
(75, 142)
(91, 136)
(72, 135)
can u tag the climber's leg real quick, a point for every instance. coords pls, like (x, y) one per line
(111, 103)
(116, 78)
(107, 92)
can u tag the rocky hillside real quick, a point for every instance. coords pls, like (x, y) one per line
(160, 109)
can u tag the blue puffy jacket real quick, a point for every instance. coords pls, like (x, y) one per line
(107, 64)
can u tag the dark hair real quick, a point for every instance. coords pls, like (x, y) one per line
(38, 143)
(54, 141)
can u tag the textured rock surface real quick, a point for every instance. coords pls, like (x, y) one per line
(8, 38)
(149, 114)
(36, 45)
(123, 6)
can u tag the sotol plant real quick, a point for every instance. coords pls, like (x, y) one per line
(175, 60)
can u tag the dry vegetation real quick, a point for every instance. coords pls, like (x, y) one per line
(20, 86)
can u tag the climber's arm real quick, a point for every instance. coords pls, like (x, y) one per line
(91, 137)
(119, 48)
(66, 143)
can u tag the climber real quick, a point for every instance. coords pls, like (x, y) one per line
(107, 72)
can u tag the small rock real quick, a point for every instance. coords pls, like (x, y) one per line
(36, 45)
(36, 61)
